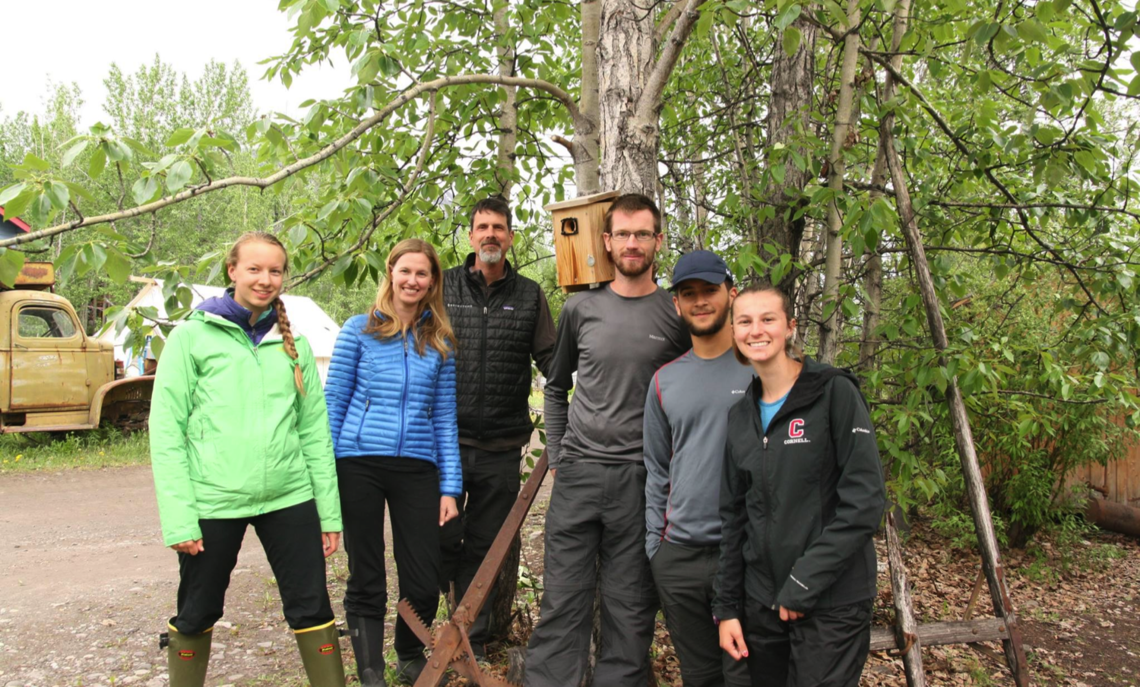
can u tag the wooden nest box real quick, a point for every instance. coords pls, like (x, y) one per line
(583, 261)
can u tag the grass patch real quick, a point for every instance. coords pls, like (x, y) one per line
(76, 450)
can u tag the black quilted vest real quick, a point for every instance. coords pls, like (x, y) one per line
(492, 361)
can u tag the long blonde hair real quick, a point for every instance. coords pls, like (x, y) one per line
(435, 330)
(289, 344)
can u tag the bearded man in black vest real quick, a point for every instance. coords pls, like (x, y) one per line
(501, 320)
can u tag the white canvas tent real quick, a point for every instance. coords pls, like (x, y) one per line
(307, 318)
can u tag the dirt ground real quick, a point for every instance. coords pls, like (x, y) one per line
(86, 585)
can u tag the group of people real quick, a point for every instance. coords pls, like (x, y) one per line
(703, 465)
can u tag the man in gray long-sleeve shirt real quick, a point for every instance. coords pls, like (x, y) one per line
(614, 338)
(686, 422)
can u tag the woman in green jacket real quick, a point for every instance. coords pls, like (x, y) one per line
(239, 436)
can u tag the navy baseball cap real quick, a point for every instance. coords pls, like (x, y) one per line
(701, 264)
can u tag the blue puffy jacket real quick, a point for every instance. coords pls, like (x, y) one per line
(385, 399)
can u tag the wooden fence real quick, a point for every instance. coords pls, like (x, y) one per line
(1118, 481)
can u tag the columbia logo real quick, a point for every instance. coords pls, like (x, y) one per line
(656, 338)
(738, 391)
(508, 307)
(860, 430)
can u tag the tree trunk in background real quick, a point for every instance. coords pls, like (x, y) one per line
(789, 117)
(586, 147)
(506, 584)
(830, 330)
(625, 58)
(508, 118)
(873, 280)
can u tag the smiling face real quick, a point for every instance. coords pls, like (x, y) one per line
(632, 256)
(411, 280)
(490, 236)
(760, 327)
(257, 275)
(703, 306)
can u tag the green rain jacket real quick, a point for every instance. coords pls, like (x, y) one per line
(230, 436)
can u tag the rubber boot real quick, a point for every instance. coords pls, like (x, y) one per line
(320, 654)
(408, 671)
(367, 636)
(187, 656)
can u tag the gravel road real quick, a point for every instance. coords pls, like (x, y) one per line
(86, 586)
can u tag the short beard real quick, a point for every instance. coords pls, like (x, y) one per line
(490, 257)
(713, 329)
(637, 271)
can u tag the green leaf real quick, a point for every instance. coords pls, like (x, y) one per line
(1032, 30)
(144, 190)
(157, 343)
(1135, 60)
(1134, 87)
(791, 40)
(178, 176)
(11, 262)
(79, 191)
(98, 162)
(367, 67)
(788, 15)
(36, 163)
(179, 137)
(118, 266)
(58, 194)
(11, 192)
(17, 206)
(73, 152)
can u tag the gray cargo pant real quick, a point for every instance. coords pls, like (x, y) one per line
(596, 510)
(684, 577)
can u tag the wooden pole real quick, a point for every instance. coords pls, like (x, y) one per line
(960, 421)
(904, 610)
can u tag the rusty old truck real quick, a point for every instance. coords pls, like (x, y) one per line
(53, 376)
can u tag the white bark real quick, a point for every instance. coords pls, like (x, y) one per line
(829, 332)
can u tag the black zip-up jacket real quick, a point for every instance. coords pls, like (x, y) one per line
(800, 503)
(495, 334)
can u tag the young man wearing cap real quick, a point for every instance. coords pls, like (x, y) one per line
(685, 426)
(614, 337)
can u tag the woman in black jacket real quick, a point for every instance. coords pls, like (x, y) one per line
(801, 497)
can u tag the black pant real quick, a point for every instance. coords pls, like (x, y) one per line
(597, 512)
(291, 538)
(684, 577)
(490, 488)
(411, 488)
(825, 648)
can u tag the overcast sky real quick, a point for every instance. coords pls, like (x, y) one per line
(77, 40)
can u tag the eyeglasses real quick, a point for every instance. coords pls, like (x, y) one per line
(641, 236)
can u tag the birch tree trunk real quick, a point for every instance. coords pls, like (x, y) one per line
(625, 60)
(829, 331)
(789, 117)
(508, 118)
(506, 584)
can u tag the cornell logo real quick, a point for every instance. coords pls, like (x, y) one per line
(796, 428)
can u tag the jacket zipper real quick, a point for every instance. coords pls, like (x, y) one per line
(482, 372)
(360, 425)
(767, 507)
(403, 401)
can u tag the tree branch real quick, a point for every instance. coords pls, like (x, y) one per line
(650, 101)
(421, 162)
(322, 155)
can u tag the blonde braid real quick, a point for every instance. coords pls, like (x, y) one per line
(290, 344)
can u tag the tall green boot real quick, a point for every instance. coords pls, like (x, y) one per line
(187, 656)
(320, 653)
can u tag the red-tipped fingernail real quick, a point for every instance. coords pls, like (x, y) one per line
(745, 654)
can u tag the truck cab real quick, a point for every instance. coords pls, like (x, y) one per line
(53, 377)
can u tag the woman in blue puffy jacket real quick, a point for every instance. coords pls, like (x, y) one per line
(391, 400)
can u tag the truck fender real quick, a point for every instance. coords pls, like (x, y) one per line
(129, 389)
